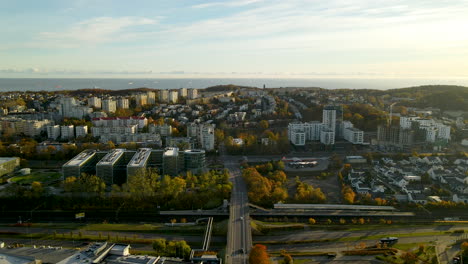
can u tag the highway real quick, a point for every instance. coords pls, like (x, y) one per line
(239, 241)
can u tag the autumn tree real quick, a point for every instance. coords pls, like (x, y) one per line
(263, 124)
(348, 194)
(258, 255)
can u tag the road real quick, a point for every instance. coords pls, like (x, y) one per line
(239, 240)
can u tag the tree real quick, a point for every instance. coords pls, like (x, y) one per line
(258, 255)
(36, 189)
(159, 245)
(409, 258)
(263, 124)
(348, 194)
(287, 259)
(312, 221)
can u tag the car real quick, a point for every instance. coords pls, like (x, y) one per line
(456, 260)
(241, 218)
(241, 251)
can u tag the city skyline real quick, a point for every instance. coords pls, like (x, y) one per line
(245, 38)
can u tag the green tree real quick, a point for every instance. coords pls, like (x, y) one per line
(159, 245)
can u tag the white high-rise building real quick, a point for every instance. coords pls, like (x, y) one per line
(327, 137)
(151, 97)
(81, 131)
(123, 103)
(163, 95)
(192, 93)
(443, 131)
(204, 133)
(183, 92)
(53, 132)
(311, 129)
(329, 119)
(109, 105)
(141, 99)
(95, 102)
(67, 105)
(164, 130)
(67, 132)
(173, 96)
(206, 137)
(297, 136)
(354, 135)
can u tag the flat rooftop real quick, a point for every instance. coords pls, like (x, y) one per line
(139, 159)
(194, 151)
(81, 158)
(111, 157)
(171, 152)
(45, 254)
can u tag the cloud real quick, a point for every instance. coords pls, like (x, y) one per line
(227, 3)
(94, 31)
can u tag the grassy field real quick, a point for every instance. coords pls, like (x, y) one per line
(219, 227)
(37, 176)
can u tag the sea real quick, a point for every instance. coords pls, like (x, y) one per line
(55, 84)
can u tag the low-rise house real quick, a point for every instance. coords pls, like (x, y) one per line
(417, 198)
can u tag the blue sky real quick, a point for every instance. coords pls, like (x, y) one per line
(243, 38)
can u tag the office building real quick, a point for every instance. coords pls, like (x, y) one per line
(139, 162)
(194, 160)
(171, 162)
(53, 132)
(85, 162)
(109, 105)
(110, 168)
(117, 165)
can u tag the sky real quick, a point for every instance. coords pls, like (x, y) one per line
(243, 38)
